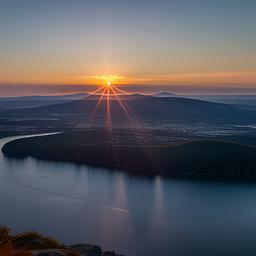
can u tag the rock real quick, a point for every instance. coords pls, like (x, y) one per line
(18, 252)
(75, 250)
(109, 253)
(86, 249)
(50, 252)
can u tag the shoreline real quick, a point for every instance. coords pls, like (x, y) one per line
(138, 172)
(208, 160)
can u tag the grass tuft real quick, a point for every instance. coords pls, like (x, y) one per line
(35, 241)
(21, 244)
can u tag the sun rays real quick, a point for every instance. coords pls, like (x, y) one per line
(107, 94)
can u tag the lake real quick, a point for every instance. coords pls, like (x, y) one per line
(133, 215)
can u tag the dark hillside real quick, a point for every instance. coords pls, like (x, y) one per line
(147, 106)
(207, 158)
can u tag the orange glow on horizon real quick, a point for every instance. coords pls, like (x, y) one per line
(207, 79)
(104, 79)
(204, 79)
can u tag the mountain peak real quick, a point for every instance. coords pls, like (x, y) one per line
(164, 94)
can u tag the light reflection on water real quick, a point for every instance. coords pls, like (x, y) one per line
(134, 215)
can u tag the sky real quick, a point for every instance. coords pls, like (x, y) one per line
(62, 46)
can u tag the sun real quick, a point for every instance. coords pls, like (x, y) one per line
(109, 84)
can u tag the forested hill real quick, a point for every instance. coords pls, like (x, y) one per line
(198, 158)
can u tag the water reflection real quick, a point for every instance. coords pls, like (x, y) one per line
(134, 215)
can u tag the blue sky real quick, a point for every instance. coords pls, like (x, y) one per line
(70, 42)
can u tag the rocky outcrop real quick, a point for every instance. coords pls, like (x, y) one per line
(35, 244)
(91, 250)
(50, 252)
(75, 250)
(86, 249)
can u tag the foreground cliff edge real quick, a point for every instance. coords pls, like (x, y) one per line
(34, 244)
(206, 158)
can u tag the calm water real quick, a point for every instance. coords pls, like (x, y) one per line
(133, 215)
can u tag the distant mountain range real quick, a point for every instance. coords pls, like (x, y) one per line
(228, 99)
(164, 94)
(146, 106)
(124, 97)
(37, 100)
(74, 96)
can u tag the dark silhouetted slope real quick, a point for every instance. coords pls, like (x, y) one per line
(199, 158)
(141, 105)
(37, 100)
